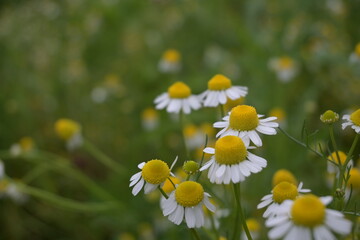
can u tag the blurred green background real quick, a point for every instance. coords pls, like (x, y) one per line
(96, 62)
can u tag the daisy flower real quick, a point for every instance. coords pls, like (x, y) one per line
(25, 144)
(170, 61)
(243, 121)
(186, 203)
(219, 89)
(332, 168)
(231, 162)
(305, 217)
(70, 131)
(283, 175)
(279, 194)
(178, 97)
(149, 119)
(153, 174)
(352, 120)
(284, 67)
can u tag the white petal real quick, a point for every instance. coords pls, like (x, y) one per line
(220, 171)
(244, 169)
(295, 233)
(339, 224)
(279, 231)
(179, 215)
(185, 106)
(161, 98)
(326, 200)
(276, 220)
(208, 204)
(150, 187)
(235, 174)
(209, 150)
(222, 97)
(136, 177)
(264, 203)
(169, 206)
(227, 175)
(141, 165)
(207, 165)
(256, 159)
(138, 187)
(194, 102)
(190, 217)
(174, 106)
(269, 196)
(266, 130)
(254, 137)
(199, 215)
(322, 233)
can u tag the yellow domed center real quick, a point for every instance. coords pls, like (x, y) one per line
(172, 55)
(285, 63)
(355, 117)
(230, 150)
(155, 171)
(333, 157)
(253, 225)
(354, 179)
(179, 90)
(168, 187)
(66, 128)
(243, 118)
(219, 82)
(283, 175)
(308, 211)
(189, 194)
(284, 191)
(357, 49)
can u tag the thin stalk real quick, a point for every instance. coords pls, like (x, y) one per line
(194, 233)
(222, 110)
(103, 158)
(35, 172)
(181, 120)
(239, 214)
(163, 192)
(202, 158)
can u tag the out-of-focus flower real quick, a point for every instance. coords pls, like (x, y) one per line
(212, 219)
(220, 89)
(281, 192)
(70, 131)
(307, 217)
(283, 175)
(149, 119)
(336, 6)
(25, 144)
(186, 203)
(9, 188)
(170, 61)
(279, 113)
(111, 86)
(231, 162)
(178, 98)
(194, 137)
(355, 56)
(126, 236)
(352, 120)
(243, 121)
(332, 168)
(329, 117)
(254, 229)
(146, 231)
(285, 68)
(353, 183)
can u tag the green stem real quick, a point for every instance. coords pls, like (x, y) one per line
(163, 193)
(194, 233)
(213, 225)
(239, 214)
(103, 158)
(35, 172)
(181, 120)
(222, 111)
(65, 202)
(202, 158)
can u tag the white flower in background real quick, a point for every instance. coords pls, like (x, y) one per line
(284, 67)
(355, 56)
(153, 174)
(186, 203)
(170, 61)
(333, 158)
(178, 98)
(254, 229)
(70, 131)
(220, 89)
(281, 192)
(307, 218)
(244, 122)
(352, 120)
(99, 95)
(25, 144)
(231, 162)
(150, 119)
(194, 136)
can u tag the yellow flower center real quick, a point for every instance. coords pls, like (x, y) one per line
(308, 211)
(283, 175)
(168, 187)
(155, 171)
(149, 114)
(179, 90)
(26, 143)
(333, 157)
(230, 150)
(253, 225)
(190, 167)
(357, 49)
(285, 63)
(189, 194)
(278, 112)
(66, 128)
(3, 185)
(172, 55)
(284, 191)
(355, 117)
(219, 82)
(354, 179)
(243, 118)
(190, 130)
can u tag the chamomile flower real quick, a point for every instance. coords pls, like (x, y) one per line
(280, 193)
(352, 120)
(355, 55)
(149, 119)
(193, 135)
(283, 175)
(70, 131)
(231, 162)
(332, 168)
(186, 203)
(285, 68)
(153, 174)
(219, 89)
(177, 98)
(307, 218)
(25, 145)
(243, 121)
(170, 61)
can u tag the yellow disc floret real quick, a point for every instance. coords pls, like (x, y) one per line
(243, 118)
(230, 150)
(253, 225)
(308, 211)
(168, 186)
(171, 55)
(219, 82)
(354, 179)
(284, 191)
(355, 117)
(155, 171)
(189, 194)
(283, 175)
(66, 128)
(333, 157)
(179, 90)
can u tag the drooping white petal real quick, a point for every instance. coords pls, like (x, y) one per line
(141, 165)
(255, 138)
(150, 187)
(235, 176)
(266, 130)
(220, 172)
(209, 150)
(190, 217)
(169, 206)
(322, 233)
(136, 176)
(161, 98)
(338, 224)
(138, 187)
(227, 175)
(280, 230)
(199, 215)
(179, 215)
(207, 165)
(326, 200)
(208, 204)
(277, 220)
(265, 203)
